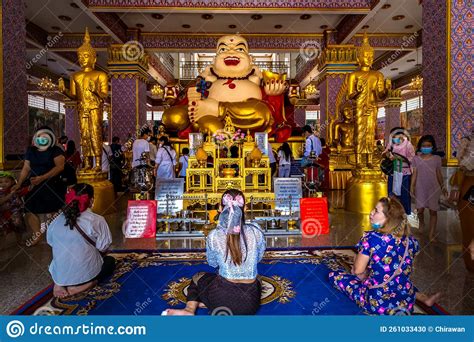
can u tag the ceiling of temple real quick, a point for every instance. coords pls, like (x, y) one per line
(390, 18)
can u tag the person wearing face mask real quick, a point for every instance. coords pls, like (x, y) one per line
(379, 281)
(427, 182)
(43, 165)
(141, 146)
(401, 152)
(78, 238)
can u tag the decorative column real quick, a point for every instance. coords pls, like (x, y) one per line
(128, 93)
(13, 92)
(447, 73)
(393, 104)
(335, 62)
(72, 122)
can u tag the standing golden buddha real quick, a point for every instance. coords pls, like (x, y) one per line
(365, 87)
(89, 88)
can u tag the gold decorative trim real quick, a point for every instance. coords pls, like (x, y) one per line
(2, 118)
(449, 160)
(293, 10)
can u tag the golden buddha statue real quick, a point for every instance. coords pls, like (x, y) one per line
(343, 136)
(235, 91)
(89, 88)
(365, 87)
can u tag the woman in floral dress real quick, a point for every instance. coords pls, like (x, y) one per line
(379, 281)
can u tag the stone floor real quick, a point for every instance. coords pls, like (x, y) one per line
(438, 267)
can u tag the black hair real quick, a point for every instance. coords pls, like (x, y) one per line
(185, 150)
(308, 129)
(285, 147)
(115, 139)
(323, 142)
(145, 131)
(233, 246)
(165, 140)
(153, 139)
(426, 138)
(71, 211)
(70, 148)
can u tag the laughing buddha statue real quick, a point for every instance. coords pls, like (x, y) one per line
(232, 88)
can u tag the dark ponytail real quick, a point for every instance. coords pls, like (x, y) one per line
(72, 210)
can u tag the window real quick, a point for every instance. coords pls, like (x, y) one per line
(51, 105)
(62, 110)
(149, 115)
(381, 112)
(312, 115)
(412, 104)
(157, 115)
(36, 101)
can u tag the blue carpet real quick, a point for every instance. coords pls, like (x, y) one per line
(294, 282)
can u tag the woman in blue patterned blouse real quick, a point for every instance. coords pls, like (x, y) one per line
(235, 248)
(379, 281)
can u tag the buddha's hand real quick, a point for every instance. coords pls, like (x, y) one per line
(61, 86)
(91, 86)
(197, 107)
(275, 87)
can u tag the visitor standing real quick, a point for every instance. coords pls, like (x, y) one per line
(401, 151)
(183, 163)
(284, 160)
(141, 146)
(43, 165)
(165, 161)
(116, 164)
(427, 182)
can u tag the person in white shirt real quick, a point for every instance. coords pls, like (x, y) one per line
(106, 156)
(284, 158)
(141, 146)
(165, 161)
(153, 150)
(312, 146)
(77, 238)
(183, 163)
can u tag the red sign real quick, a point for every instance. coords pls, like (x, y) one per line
(314, 216)
(141, 219)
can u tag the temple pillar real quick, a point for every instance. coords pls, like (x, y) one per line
(447, 73)
(128, 92)
(13, 92)
(335, 62)
(72, 122)
(393, 104)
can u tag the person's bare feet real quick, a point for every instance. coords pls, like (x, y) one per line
(202, 306)
(60, 291)
(429, 300)
(179, 312)
(72, 290)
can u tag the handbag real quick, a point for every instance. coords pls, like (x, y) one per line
(387, 166)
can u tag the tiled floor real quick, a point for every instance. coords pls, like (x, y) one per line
(438, 267)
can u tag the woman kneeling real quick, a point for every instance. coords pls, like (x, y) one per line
(236, 248)
(78, 237)
(380, 278)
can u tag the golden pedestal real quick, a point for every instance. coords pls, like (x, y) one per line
(104, 195)
(364, 189)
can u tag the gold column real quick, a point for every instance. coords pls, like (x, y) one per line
(2, 135)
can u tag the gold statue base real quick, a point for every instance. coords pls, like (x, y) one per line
(104, 195)
(364, 189)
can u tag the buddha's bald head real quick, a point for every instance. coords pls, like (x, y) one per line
(232, 57)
